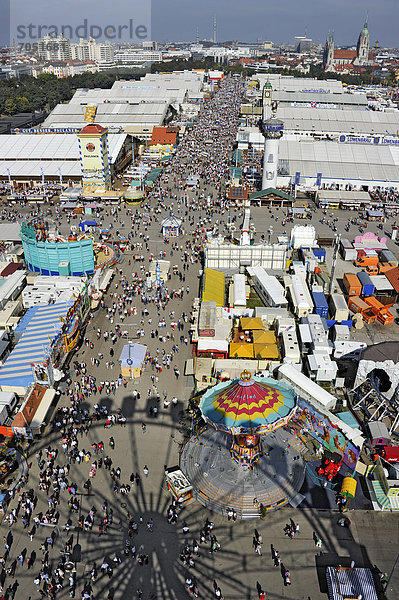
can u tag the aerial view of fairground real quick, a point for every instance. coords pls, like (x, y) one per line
(199, 317)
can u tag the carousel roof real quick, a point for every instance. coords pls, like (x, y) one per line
(249, 404)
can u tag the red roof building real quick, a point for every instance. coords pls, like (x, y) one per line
(93, 129)
(24, 417)
(393, 277)
(164, 135)
(348, 55)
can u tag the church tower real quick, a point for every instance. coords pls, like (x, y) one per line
(328, 56)
(363, 46)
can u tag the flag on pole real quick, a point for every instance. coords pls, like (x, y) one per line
(9, 176)
(42, 175)
(60, 174)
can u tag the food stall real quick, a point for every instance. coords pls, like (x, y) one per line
(178, 485)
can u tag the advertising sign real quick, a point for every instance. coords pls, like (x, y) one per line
(326, 433)
(44, 130)
(91, 152)
(368, 139)
(314, 105)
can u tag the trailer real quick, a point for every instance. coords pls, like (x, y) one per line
(386, 256)
(367, 285)
(323, 280)
(338, 307)
(3, 414)
(300, 296)
(9, 400)
(320, 304)
(268, 288)
(320, 254)
(326, 241)
(290, 346)
(352, 284)
(382, 313)
(357, 305)
(348, 252)
(239, 295)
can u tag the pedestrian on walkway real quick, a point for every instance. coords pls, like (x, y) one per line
(258, 545)
(146, 470)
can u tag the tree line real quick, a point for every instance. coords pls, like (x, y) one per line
(44, 92)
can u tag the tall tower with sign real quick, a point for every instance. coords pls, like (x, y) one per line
(94, 157)
(272, 130)
(267, 100)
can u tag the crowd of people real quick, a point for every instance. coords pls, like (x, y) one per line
(159, 316)
(163, 321)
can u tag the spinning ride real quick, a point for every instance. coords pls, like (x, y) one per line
(245, 408)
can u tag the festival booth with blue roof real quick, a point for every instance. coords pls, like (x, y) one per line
(35, 332)
(132, 359)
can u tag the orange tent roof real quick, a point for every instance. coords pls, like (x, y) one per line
(266, 352)
(251, 323)
(241, 350)
(264, 337)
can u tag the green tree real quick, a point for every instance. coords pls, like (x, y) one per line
(23, 104)
(10, 106)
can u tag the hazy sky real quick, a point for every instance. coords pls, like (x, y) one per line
(276, 20)
(248, 20)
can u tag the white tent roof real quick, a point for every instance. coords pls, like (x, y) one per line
(297, 84)
(109, 114)
(341, 121)
(340, 161)
(304, 97)
(52, 146)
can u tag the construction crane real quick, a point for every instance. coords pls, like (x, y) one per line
(374, 57)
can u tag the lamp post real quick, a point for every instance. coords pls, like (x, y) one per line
(270, 233)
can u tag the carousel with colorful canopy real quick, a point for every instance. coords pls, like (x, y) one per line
(247, 407)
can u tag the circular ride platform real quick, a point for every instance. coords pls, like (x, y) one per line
(219, 483)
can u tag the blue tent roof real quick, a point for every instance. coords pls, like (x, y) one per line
(133, 355)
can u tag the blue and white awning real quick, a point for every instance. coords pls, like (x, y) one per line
(345, 583)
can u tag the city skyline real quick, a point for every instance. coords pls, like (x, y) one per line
(179, 21)
(236, 20)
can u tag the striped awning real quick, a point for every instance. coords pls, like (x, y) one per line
(38, 327)
(345, 583)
